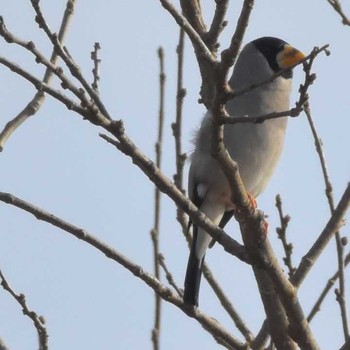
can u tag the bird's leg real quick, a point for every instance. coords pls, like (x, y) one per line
(252, 205)
(252, 201)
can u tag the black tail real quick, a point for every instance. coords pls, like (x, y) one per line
(193, 276)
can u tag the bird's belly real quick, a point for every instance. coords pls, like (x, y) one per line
(259, 152)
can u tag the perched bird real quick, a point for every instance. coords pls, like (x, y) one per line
(255, 147)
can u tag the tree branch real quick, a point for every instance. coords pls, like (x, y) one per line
(155, 230)
(334, 223)
(338, 8)
(193, 12)
(208, 323)
(340, 249)
(227, 305)
(316, 308)
(38, 321)
(198, 43)
(281, 232)
(217, 25)
(168, 275)
(95, 70)
(229, 56)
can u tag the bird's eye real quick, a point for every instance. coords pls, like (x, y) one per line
(281, 47)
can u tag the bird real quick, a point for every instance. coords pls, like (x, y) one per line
(255, 147)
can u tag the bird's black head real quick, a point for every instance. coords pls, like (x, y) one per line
(270, 47)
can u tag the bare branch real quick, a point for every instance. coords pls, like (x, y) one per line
(38, 321)
(177, 129)
(260, 118)
(41, 59)
(193, 12)
(194, 36)
(217, 25)
(277, 325)
(177, 125)
(265, 262)
(340, 249)
(310, 258)
(229, 56)
(34, 105)
(42, 87)
(281, 232)
(316, 308)
(72, 66)
(334, 223)
(155, 230)
(168, 275)
(208, 323)
(338, 8)
(95, 70)
(227, 305)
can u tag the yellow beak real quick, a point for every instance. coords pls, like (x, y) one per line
(289, 56)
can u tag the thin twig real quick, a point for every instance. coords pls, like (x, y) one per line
(68, 60)
(42, 87)
(34, 105)
(227, 305)
(38, 321)
(329, 285)
(208, 323)
(217, 25)
(168, 274)
(281, 232)
(229, 56)
(332, 226)
(155, 230)
(192, 33)
(177, 125)
(95, 70)
(315, 251)
(340, 293)
(41, 59)
(338, 8)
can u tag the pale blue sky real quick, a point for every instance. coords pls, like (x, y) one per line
(57, 161)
